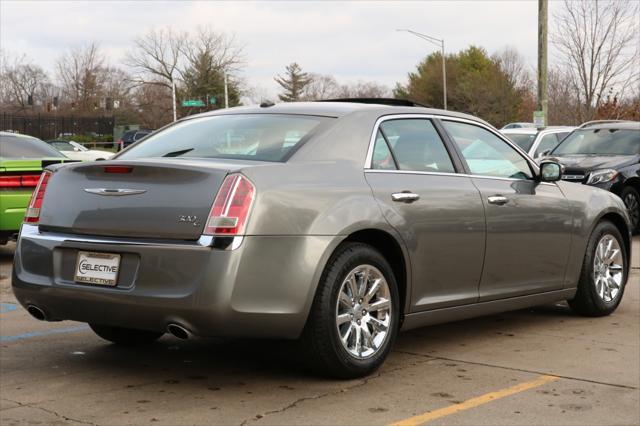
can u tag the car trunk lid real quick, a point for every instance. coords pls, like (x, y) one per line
(164, 199)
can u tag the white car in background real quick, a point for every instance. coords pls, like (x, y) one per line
(518, 125)
(75, 151)
(536, 142)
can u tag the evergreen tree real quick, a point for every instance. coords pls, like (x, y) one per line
(293, 83)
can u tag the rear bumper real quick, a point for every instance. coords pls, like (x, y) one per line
(263, 288)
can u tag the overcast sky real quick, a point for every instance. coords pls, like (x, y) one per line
(351, 40)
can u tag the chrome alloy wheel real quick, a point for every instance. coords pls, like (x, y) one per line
(608, 268)
(363, 311)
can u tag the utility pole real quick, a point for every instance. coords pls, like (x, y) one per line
(226, 92)
(173, 95)
(542, 59)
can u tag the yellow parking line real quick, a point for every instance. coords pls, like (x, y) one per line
(474, 402)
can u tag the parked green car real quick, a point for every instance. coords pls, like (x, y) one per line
(22, 159)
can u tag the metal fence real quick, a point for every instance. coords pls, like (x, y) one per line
(50, 126)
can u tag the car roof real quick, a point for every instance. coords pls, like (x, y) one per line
(333, 109)
(534, 131)
(624, 125)
(19, 135)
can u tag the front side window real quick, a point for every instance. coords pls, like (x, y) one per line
(416, 145)
(486, 154)
(600, 142)
(260, 137)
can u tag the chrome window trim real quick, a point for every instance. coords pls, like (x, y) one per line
(380, 120)
(32, 232)
(411, 172)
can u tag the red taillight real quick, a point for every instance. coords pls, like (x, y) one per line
(231, 207)
(33, 211)
(118, 169)
(20, 181)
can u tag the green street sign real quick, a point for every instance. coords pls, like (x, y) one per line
(193, 103)
(538, 118)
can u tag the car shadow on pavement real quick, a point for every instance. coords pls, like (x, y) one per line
(217, 363)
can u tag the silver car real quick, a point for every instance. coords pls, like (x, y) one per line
(538, 142)
(335, 223)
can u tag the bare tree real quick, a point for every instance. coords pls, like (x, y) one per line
(514, 66)
(321, 86)
(364, 89)
(221, 51)
(78, 72)
(157, 56)
(24, 84)
(597, 43)
(564, 105)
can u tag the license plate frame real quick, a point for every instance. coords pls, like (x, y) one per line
(96, 268)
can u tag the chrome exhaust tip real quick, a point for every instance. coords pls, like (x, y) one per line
(178, 331)
(36, 312)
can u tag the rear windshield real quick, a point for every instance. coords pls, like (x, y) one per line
(260, 137)
(523, 140)
(600, 141)
(25, 147)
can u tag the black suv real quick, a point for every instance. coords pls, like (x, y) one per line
(605, 155)
(132, 136)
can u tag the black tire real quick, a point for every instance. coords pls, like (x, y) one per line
(587, 301)
(125, 336)
(324, 351)
(631, 199)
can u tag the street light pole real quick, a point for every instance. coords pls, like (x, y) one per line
(440, 43)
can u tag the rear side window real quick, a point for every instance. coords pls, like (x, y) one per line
(548, 142)
(26, 147)
(140, 135)
(382, 157)
(415, 145)
(523, 140)
(260, 137)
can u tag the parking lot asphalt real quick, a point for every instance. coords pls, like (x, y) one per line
(535, 366)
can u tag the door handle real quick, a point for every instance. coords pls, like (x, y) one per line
(498, 200)
(404, 197)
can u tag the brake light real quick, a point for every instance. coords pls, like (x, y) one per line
(19, 181)
(33, 211)
(118, 169)
(231, 207)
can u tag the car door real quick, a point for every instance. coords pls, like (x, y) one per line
(436, 210)
(528, 222)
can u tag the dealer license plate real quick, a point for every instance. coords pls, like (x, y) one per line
(97, 268)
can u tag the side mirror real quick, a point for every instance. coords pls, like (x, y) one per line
(550, 171)
(76, 149)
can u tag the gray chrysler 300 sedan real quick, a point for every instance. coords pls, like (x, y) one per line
(337, 223)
